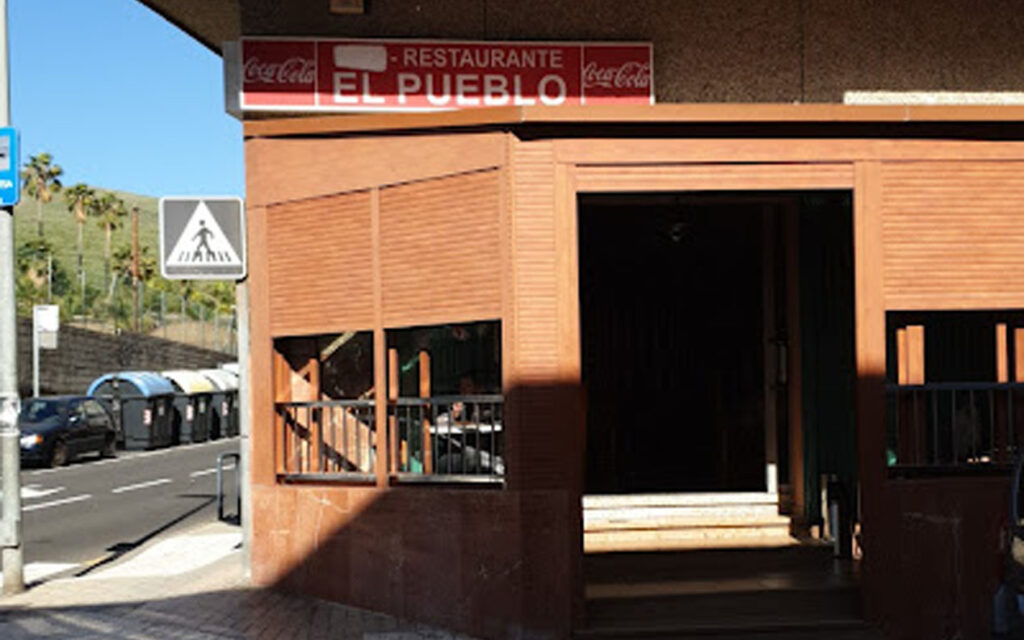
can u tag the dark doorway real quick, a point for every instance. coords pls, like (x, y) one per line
(673, 331)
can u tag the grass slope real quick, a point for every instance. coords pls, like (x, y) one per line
(60, 228)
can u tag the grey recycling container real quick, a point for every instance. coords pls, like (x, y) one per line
(142, 403)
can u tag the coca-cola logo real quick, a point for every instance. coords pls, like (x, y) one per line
(296, 70)
(629, 75)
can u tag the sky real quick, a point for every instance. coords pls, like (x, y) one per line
(121, 98)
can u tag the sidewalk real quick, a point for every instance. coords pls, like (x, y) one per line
(188, 587)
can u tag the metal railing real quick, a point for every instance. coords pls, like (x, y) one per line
(447, 438)
(327, 438)
(437, 439)
(954, 425)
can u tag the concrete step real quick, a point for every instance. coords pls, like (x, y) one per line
(793, 592)
(833, 630)
(687, 538)
(717, 498)
(641, 522)
(680, 517)
(722, 607)
(813, 560)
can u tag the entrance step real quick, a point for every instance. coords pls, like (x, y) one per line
(645, 522)
(791, 592)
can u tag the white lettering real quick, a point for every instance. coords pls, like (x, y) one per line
(291, 71)
(464, 84)
(495, 90)
(542, 90)
(409, 56)
(556, 59)
(517, 90)
(345, 81)
(369, 98)
(446, 95)
(408, 83)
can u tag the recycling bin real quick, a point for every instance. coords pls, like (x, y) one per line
(225, 423)
(193, 405)
(142, 403)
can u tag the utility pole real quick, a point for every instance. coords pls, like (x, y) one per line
(135, 269)
(10, 404)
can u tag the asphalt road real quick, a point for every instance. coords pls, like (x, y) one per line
(92, 511)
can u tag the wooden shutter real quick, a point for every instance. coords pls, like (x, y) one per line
(320, 263)
(953, 234)
(440, 254)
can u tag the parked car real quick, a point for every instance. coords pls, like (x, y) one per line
(56, 430)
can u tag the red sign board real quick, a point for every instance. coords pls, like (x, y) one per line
(415, 75)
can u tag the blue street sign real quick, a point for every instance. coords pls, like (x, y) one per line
(10, 176)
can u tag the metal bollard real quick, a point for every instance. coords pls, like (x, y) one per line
(220, 485)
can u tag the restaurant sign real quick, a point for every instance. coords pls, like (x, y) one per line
(419, 75)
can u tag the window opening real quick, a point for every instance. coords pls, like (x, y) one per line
(954, 389)
(445, 414)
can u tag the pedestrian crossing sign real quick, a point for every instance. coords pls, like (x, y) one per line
(202, 238)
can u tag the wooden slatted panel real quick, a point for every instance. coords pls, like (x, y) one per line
(535, 261)
(679, 177)
(953, 234)
(440, 256)
(319, 254)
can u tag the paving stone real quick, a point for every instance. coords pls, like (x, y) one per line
(213, 602)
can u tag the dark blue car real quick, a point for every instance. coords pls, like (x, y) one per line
(56, 430)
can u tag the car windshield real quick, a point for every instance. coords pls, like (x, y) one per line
(37, 410)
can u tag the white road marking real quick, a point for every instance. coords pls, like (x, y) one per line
(206, 472)
(33, 491)
(56, 503)
(141, 485)
(127, 456)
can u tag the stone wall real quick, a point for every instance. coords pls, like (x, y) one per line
(84, 355)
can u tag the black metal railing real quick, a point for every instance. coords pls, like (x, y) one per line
(442, 438)
(447, 438)
(327, 438)
(950, 425)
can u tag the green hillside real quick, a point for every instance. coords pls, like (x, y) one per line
(61, 229)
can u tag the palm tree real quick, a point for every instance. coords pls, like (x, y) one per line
(79, 199)
(111, 211)
(41, 182)
(122, 263)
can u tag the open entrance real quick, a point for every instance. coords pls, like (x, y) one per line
(672, 306)
(717, 343)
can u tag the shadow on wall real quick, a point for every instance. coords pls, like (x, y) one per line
(491, 561)
(934, 540)
(506, 562)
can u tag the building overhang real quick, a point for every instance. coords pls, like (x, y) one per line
(641, 116)
(211, 22)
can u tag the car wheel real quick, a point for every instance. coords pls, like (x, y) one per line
(59, 454)
(109, 449)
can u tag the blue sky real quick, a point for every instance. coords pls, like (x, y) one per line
(121, 98)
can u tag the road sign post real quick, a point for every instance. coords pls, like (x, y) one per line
(203, 237)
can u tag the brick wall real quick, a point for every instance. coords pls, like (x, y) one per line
(84, 355)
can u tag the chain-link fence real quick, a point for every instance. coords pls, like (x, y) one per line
(150, 310)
